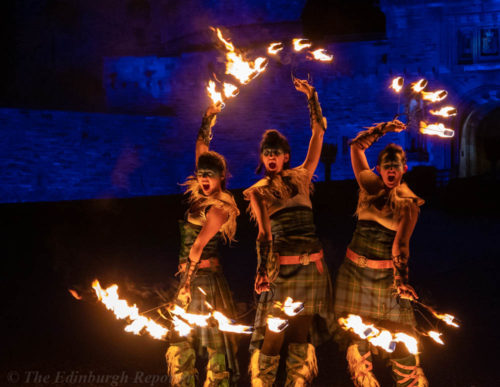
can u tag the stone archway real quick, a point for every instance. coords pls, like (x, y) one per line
(478, 139)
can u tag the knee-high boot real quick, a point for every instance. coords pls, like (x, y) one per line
(217, 376)
(360, 367)
(301, 365)
(181, 360)
(407, 372)
(263, 369)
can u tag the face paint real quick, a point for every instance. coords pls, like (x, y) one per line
(392, 164)
(268, 152)
(207, 173)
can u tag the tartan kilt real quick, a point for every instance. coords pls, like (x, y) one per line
(220, 297)
(302, 283)
(370, 293)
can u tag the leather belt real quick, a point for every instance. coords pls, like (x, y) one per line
(362, 261)
(204, 264)
(304, 259)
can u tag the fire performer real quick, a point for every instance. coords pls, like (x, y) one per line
(210, 219)
(290, 256)
(372, 282)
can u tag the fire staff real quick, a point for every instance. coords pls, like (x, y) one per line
(290, 256)
(210, 219)
(372, 282)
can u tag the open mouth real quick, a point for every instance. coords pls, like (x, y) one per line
(272, 165)
(205, 187)
(391, 178)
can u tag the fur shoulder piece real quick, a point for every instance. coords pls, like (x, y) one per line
(397, 199)
(223, 199)
(281, 186)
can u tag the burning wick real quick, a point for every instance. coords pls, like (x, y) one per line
(226, 325)
(300, 44)
(397, 84)
(447, 318)
(230, 90)
(276, 324)
(447, 111)
(274, 48)
(436, 130)
(290, 307)
(435, 96)
(214, 95)
(436, 337)
(417, 87)
(322, 55)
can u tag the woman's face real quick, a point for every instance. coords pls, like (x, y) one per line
(210, 181)
(392, 169)
(274, 159)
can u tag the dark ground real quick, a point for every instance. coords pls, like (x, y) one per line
(49, 247)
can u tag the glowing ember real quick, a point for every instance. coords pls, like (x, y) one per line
(109, 297)
(226, 325)
(417, 87)
(447, 111)
(397, 84)
(75, 294)
(447, 318)
(276, 324)
(274, 48)
(436, 336)
(435, 96)
(410, 342)
(300, 44)
(436, 130)
(322, 55)
(230, 91)
(214, 95)
(244, 71)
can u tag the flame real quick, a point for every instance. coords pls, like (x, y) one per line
(397, 84)
(435, 96)
(447, 318)
(300, 44)
(322, 55)
(181, 326)
(447, 111)
(75, 294)
(435, 336)
(244, 71)
(208, 305)
(436, 130)
(417, 87)
(200, 320)
(383, 339)
(109, 297)
(226, 325)
(276, 324)
(230, 91)
(214, 95)
(202, 291)
(290, 307)
(274, 48)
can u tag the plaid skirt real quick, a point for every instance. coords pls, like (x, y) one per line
(220, 297)
(302, 283)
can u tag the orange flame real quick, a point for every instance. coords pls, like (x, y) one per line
(214, 95)
(290, 307)
(75, 294)
(436, 336)
(244, 71)
(447, 318)
(226, 325)
(300, 44)
(276, 324)
(200, 320)
(435, 96)
(447, 111)
(436, 130)
(322, 55)
(417, 87)
(230, 91)
(109, 297)
(274, 48)
(383, 339)
(397, 84)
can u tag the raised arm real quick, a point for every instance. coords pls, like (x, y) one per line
(363, 141)
(318, 125)
(264, 243)
(205, 132)
(216, 217)
(401, 252)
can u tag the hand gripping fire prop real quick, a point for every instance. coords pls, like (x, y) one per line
(244, 70)
(178, 319)
(417, 89)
